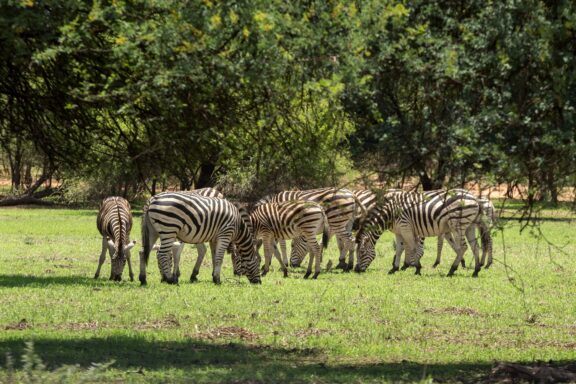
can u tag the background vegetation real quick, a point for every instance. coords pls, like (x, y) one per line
(128, 97)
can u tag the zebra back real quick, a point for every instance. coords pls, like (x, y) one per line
(114, 221)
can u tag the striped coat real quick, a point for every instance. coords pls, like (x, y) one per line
(341, 209)
(414, 216)
(114, 222)
(288, 220)
(192, 218)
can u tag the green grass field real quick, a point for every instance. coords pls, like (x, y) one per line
(341, 328)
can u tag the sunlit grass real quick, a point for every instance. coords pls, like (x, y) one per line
(341, 328)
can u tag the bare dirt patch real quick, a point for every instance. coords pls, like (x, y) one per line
(453, 311)
(167, 322)
(19, 326)
(225, 333)
(537, 373)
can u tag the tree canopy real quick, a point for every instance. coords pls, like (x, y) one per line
(265, 95)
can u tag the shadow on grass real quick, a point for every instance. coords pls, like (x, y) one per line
(216, 362)
(14, 281)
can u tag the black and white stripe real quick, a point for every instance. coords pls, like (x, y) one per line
(483, 223)
(412, 216)
(289, 220)
(201, 248)
(365, 200)
(114, 222)
(192, 218)
(340, 207)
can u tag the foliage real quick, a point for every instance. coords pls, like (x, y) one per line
(156, 91)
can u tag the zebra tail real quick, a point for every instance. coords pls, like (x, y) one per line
(145, 236)
(326, 232)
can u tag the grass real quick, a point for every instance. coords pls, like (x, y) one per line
(341, 328)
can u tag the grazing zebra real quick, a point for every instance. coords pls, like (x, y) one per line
(483, 222)
(340, 206)
(114, 223)
(412, 216)
(288, 220)
(365, 200)
(200, 248)
(192, 218)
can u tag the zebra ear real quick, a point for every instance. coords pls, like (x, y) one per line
(130, 245)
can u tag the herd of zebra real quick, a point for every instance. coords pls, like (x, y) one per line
(205, 216)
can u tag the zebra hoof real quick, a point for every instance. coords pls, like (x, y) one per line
(142, 280)
(216, 280)
(342, 265)
(96, 276)
(418, 272)
(393, 270)
(404, 267)
(451, 272)
(463, 263)
(435, 264)
(285, 273)
(315, 275)
(193, 279)
(264, 273)
(488, 265)
(256, 280)
(475, 274)
(131, 277)
(350, 266)
(357, 269)
(307, 275)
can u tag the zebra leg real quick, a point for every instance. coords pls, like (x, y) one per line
(268, 251)
(486, 239)
(111, 252)
(460, 248)
(471, 237)
(149, 237)
(341, 247)
(218, 250)
(128, 259)
(311, 260)
(201, 249)
(439, 250)
(410, 253)
(398, 251)
(176, 252)
(317, 249)
(280, 260)
(102, 258)
(284, 252)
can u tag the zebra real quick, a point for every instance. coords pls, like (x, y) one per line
(340, 206)
(201, 249)
(483, 222)
(288, 220)
(114, 222)
(192, 218)
(411, 216)
(366, 200)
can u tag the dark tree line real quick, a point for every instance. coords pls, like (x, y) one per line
(263, 95)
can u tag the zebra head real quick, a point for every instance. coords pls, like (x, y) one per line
(246, 247)
(119, 253)
(298, 252)
(366, 253)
